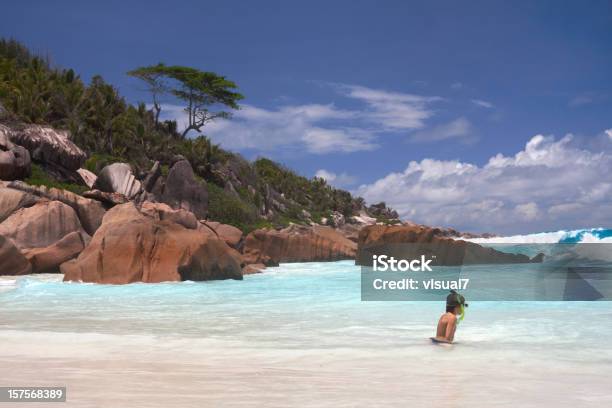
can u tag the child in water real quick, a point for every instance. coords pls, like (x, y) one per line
(455, 305)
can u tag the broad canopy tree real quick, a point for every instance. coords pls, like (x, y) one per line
(200, 90)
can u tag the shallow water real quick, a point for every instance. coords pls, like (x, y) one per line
(296, 335)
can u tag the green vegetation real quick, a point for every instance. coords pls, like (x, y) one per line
(226, 208)
(109, 129)
(40, 178)
(315, 195)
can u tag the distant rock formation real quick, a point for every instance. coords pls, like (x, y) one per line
(134, 246)
(297, 244)
(411, 241)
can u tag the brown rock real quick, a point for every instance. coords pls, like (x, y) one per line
(253, 269)
(110, 199)
(163, 212)
(88, 177)
(90, 212)
(12, 262)
(297, 244)
(182, 190)
(48, 259)
(412, 241)
(41, 225)
(49, 145)
(15, 160)
(230, 234)
(11, 200)
(131, 247)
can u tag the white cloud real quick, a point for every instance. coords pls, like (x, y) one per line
(392, 110)
(550, 184)
(457, 129)
(528, 211)
(482, 103)
(338, 180)
(318, 128)
(609, 133)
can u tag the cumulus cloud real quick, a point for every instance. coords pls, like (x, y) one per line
(609, 133)
(338, 180)
(319, 128)
(482, 103)
(460, 128)
(551, 184)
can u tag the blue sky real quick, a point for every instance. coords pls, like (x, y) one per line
(357, 90)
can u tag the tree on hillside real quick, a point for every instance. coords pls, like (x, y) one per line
(155, 78)
(200, 90)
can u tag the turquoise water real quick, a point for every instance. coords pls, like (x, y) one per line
(297, 334)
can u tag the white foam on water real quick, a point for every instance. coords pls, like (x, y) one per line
(586, 235)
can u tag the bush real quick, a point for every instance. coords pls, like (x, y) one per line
(226, 208)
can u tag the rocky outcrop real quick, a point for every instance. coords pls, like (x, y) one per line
(297, 244)
(252, 269)
(90, 212)
(163, 212)
(118, 178)
(412, 241)
(11, 200)
(15, 161)
(131, 246)
(12, 262)
(48, 259)
(108, 199)
(50, 146)
(40, 225)
(230, 234)
(182, 190)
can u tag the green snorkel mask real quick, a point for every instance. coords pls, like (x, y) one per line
(462, 315)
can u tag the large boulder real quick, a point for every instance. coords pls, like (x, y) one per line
(118, 178)
(412, 241)
(41, 225)
(11, 200)
(130, 247)
(297, 244)
(181, 189)
(15, 160)
(49, 145)
(12, 262)
(48, 259)
(163, 212)
(90, 212)
(230, 234)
